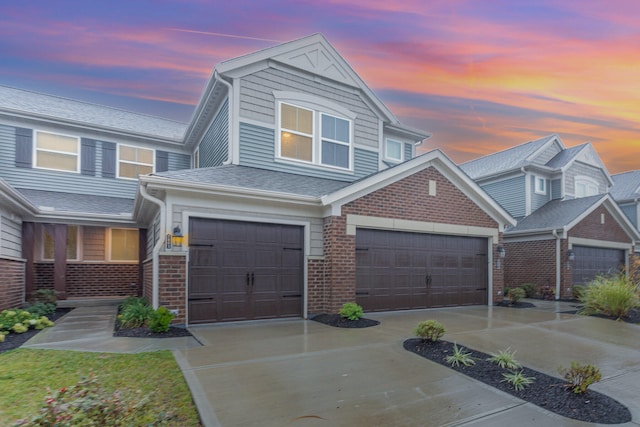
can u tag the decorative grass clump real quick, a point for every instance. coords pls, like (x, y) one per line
(611, 296)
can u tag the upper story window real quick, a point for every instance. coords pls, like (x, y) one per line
(393, 150)
(540, 185)
(134, 161)
(585, 187)
(72, 244)
(124, 244)
(313, 131)
(56, 152)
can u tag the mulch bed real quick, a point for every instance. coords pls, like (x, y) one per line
(519, 304)
(13, 340)
(341, 322)
(546, 392)
(632, 317)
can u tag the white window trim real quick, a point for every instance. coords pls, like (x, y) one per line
(118, 161)
(36, 150)
(318, 106)
(108, 240)
(536, 178)
(581, 179)
(78, 244)
(386, 144)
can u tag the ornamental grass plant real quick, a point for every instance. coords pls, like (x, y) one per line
(611, 296)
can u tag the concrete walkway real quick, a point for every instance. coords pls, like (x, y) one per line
(302, 373)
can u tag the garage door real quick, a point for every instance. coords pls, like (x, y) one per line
(244, 270)
(589, 262)
(398, 271)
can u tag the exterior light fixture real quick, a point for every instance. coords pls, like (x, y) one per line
(501, 251)
(177, 238)
(571, 256)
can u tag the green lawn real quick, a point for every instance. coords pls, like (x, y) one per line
(25, 375)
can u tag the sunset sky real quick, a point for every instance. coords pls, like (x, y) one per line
(481, 76)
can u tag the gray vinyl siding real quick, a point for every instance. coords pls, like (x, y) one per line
(546, 155)
(258, 103)
(153, 234)
(631, 212)
(408, 152)
(556, 188)
(214, 147)
(257, 149)
(93, 243)
(581, 169)
(11, 237)
(510, 194)
(179, 161)
(539, 200)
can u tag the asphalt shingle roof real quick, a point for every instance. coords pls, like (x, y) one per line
(512, 158)
(625, 186)
(78, 203)
(565, 156)
(555, 214)
(258, 179)
(24, 101)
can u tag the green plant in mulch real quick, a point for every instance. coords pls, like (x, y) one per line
(460, 357)
(430, 330)
(530, 289)
(160, 320)
(505, 359)
(19, 321)
(134, 312)
(351, 311)
(611, 296)
(518, 380)
(580, 377)
(516, 294)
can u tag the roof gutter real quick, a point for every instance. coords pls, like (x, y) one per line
(217, 77)
(158, 245)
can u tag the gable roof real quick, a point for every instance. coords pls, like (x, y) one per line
(564, 214)
(626, 186)
(565, 157)
(507, 160)
(24, 103)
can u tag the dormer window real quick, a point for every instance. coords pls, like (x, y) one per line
(585, 187)
(540, 185)
(314, 131)
(393, 150)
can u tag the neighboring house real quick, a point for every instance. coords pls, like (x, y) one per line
(305, 193)
(569, 228)
(626, 192)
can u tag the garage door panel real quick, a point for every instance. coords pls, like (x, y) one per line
(203, 310)
(591, 262)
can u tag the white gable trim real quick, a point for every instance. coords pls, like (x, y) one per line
(554, 139)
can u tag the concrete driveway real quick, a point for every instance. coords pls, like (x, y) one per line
(302, 373)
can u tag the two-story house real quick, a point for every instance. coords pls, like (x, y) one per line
(303, 192)
(569, 227)
(626, 192)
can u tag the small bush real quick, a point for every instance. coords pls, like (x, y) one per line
(19, 321)
(518, 380)
(610, 296)
(580, 377)
(430, 330)
(577, 291)
(39, 309)
(505, 359)
(160, 320)
(460, 357)
(506, 291)
(134, 312)
(516, 294)
(530, 290)
(47, 296)
(351, 311)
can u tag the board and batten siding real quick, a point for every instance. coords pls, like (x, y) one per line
(258, 103)
(509, 194)
(214, 146)
(582, 169)
(10, 237)
(539, 200)
(631, 212)
(257, 149)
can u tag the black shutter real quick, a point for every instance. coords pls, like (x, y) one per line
(88, 157)
(162, 161)
(108, 159)
(24, 148)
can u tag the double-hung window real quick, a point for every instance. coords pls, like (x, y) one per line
(57, 152)
(540, 185)
(123, 244)
(315, 137)
(134, 161)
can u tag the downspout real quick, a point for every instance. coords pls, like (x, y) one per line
(558, 263)
(158, 246)
(230, 118)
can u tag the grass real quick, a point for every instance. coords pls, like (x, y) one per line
(25, 375)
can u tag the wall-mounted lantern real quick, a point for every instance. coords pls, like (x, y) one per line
(177, 238)
(571, 256)
(501, 254)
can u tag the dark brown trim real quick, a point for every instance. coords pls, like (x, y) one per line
(60, 260)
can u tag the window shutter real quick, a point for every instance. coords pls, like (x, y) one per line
(88, 157)
(108, 159)
(162, 161)
(24, 148)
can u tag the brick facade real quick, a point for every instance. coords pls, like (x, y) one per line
(88, 280)
(592, 227)
(147, 279)
(172, 284)
(12, 273)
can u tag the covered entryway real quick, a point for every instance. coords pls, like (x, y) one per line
(244, 270)
(400, 270)
(590, 262)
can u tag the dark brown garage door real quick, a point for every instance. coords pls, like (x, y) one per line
(590, 262)
(244, 270)
(398, 271)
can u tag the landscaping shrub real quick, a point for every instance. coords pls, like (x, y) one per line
(351, 311)
(20, 321)
(506, 291)
(580, 377)
(430, 330)
(610, 296)
(516, 294)
(39, 309)
(518, 380)
(530, 290)
(47, 296)
(160, 320)
(134, 312)
(577, 291)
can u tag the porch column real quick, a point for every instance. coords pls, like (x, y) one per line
(60, 260)
(28, 243)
